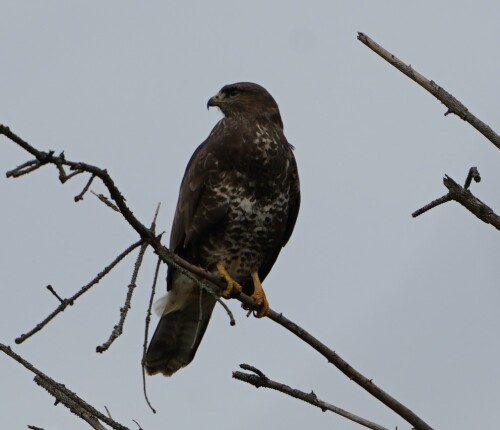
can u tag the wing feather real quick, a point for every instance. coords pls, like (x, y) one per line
(293, 211)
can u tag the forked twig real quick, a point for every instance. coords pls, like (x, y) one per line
(463, 196)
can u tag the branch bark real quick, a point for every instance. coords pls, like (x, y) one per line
(472, 203)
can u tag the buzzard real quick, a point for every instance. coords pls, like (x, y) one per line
(237, 207)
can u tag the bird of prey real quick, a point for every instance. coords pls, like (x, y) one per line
(237, 207)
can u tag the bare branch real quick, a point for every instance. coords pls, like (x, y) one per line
(85, 189)
(146, 334)
(463, 196)
(431, 205)
(453, 105)
(69, 302)
(54, 293)
(118, 328)
(349, 371)
(260, 380)
(138, 425)
(155, 218)
(473, 174)
(106, 201)
(68, 398)
(24, 169)
(69, 403)
(472, 203)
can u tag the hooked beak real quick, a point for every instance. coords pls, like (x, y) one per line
(215, 100)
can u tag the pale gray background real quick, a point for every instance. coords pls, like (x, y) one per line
(413, 304)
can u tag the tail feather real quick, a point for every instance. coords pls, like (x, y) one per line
(179, 333)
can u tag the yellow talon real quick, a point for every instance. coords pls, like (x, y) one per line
(259, 296)
(233, 288)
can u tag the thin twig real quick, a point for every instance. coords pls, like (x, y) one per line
(107, 411)
(453, 105)
(68, 302)
(67, 176)
(138, 425)
(155, 218)
(473, 174)
(146, 334)
(118, 328)
(258, 379)
(444, 199)
(85, 189)
(63, 395)
(24, 169)
(35, 428)
(54, 293)
(106, 201)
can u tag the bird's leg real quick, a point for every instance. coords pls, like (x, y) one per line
(259, 296)
(233, 288)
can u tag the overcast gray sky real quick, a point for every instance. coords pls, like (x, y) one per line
(411, 303)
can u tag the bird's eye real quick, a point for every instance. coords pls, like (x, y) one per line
(233, 92)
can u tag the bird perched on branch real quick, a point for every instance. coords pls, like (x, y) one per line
(237, 207)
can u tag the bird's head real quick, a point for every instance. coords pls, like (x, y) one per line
(246, 99)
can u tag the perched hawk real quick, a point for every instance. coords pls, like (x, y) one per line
(237, 207)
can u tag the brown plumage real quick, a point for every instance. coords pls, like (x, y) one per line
(237, 207)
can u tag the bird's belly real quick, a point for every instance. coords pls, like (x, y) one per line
(252, 231)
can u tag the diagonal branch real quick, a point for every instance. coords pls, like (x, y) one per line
(70, 403)
(258, 379)
(453, 105)
(68, 398)
(350, 371)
